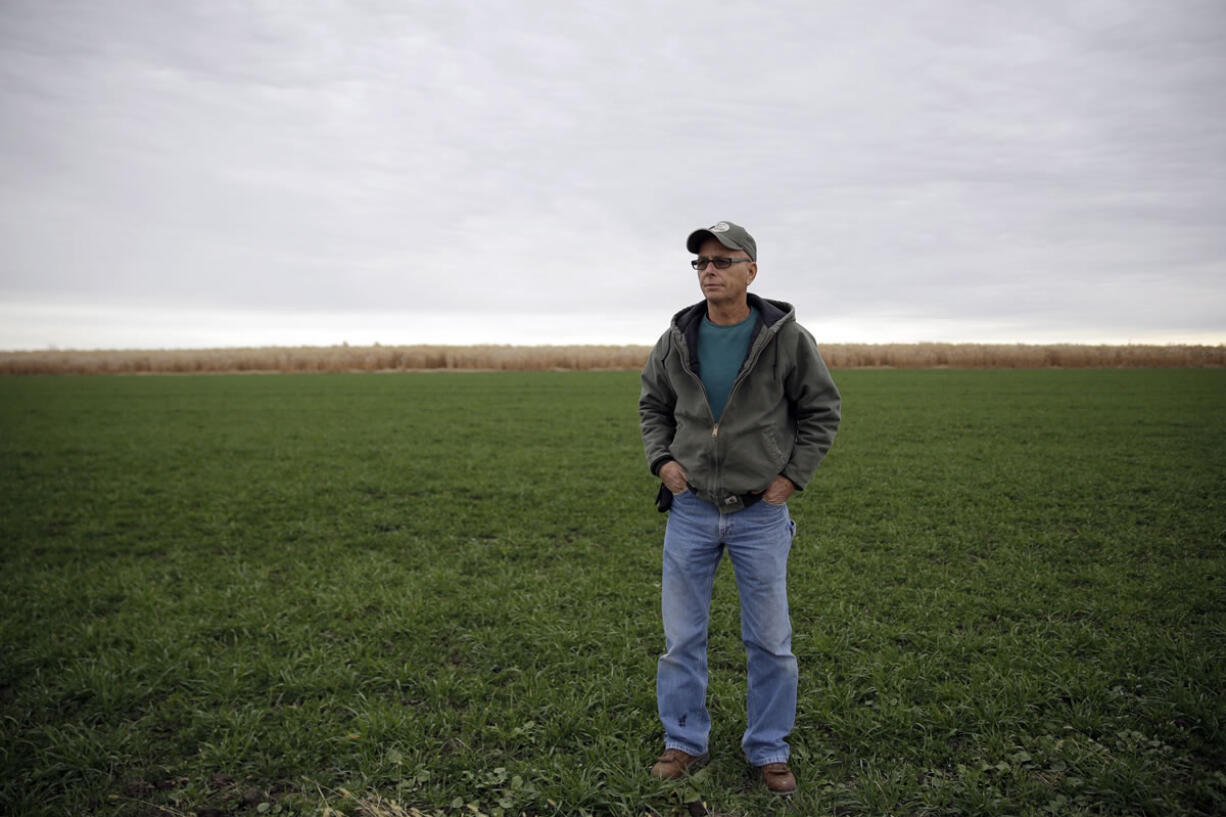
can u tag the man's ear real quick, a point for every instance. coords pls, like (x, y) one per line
(753, 271)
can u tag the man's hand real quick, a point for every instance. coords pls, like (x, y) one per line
(777, 492)
(673, 477)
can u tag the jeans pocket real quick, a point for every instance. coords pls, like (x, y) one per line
(664, 498)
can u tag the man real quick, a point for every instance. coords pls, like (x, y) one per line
(737, 409)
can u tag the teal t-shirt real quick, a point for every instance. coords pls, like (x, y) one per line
(721, 351)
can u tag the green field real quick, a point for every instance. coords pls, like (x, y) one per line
(368, 594)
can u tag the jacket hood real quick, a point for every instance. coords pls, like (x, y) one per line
(770, 312)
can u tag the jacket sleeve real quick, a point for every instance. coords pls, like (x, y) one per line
(656, 402)
(816, 406)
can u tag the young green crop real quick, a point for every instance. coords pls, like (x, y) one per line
(378, 593)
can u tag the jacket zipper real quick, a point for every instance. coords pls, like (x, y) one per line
(715, 423)
(750, 363)
(706, 399)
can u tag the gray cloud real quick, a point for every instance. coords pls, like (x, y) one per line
(1015, 171)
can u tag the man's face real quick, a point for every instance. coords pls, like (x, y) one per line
(725, 285)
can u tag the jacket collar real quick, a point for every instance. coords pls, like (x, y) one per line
(769, 313)
(689, 319)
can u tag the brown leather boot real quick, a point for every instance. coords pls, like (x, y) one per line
(673, 763)
(778, 778)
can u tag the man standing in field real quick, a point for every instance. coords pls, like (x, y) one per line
(737, 409)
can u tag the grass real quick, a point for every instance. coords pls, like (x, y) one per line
(387, 594)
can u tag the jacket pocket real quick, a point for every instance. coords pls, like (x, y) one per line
(770, 443)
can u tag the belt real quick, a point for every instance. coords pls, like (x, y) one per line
(664, 498)
(746, 499)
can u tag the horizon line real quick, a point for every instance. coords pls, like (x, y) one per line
(54, 348)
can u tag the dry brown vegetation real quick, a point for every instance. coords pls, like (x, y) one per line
(1019, 356)
(520, 358)
(323, 359)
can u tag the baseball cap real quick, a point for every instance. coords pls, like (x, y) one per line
(732, 236)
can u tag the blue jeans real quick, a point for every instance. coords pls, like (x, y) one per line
(757, 539)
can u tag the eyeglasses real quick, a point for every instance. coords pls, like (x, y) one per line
(700, 263)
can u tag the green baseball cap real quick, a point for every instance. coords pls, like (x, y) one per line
(732, 236)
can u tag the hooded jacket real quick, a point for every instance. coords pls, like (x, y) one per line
(781, 416)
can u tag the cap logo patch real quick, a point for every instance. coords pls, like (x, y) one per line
(722, 227)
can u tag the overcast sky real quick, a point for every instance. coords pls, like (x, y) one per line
(178, 174)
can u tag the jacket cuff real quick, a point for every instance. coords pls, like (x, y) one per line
(658, 464)
(787, 472)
